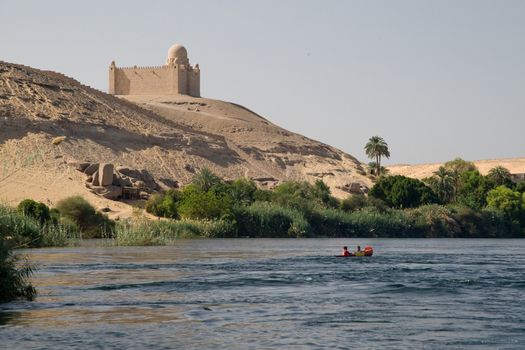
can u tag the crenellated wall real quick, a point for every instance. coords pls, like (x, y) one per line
(156, 80)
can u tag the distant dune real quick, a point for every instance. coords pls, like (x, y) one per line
(168, 137)
(419, 171)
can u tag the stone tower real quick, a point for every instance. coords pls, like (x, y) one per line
(176, 77)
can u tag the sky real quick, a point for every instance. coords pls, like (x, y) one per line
(436, 79)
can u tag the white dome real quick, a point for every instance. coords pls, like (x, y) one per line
(177, 51)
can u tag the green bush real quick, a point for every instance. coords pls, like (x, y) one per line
(354, 202)
(262, 195)
(92, 224)
(520, 187)
(506, 200)
(242, 191)
(473, 189)
(359, 201)
(164, 205)
(486, 223)
(36, 210)
(154, 205)
(24, 231)
(198, 204)
(403, 192)
(303, 196)
(21, 230)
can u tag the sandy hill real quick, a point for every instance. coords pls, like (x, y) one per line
(419, 171)
(169, 138)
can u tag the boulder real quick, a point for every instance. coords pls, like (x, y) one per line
(117, 180)
(90, 169)
(108, 192)
(125, 181)
(139, 184)
(353, 187)
(112, 192)
(105, 174)
(129, 172)
(81, 166)
(95, 181)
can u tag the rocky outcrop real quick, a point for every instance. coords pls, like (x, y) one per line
(105, 174)
(115, 183)
(354, 188)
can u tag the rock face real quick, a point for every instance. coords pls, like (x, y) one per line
(91, 169)
(105, 174)
(168, 138)
(108, 182)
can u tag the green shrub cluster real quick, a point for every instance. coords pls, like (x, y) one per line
(403, 192)
(397, 206)
(76, 212)
(24, 231)
(36, 210)
(34, 224)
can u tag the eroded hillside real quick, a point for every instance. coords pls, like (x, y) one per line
(168, 137)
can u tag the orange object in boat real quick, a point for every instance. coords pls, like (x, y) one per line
(369, 251)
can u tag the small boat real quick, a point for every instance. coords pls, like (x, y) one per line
(368, 251)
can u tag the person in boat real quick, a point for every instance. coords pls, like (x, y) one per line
(358, 248)
(345, 251)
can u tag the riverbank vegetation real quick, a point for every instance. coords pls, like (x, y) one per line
(457, 201)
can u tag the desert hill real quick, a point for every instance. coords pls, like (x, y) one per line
(420, 171)
(167, 137)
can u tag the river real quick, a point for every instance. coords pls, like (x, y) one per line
(274, 294)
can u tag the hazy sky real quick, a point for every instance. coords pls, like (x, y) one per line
(436, 79)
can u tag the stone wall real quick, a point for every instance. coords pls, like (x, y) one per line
(161, 80)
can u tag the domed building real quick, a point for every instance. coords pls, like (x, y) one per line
(177, 54)
(176, 77)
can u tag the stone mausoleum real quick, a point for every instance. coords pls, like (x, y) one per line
(177, 76)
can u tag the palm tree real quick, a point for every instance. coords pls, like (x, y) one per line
(372, 169)
(444, 184)
(456, 168)
(377, 148)
(499, 175)
(205, 179)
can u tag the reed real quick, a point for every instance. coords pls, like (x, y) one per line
(165, 232)
(15, 272)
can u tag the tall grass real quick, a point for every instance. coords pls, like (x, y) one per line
(165, 232)
(22, 231)
(264, 219)
(14, 275)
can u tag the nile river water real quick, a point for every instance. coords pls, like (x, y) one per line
(274, 294)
